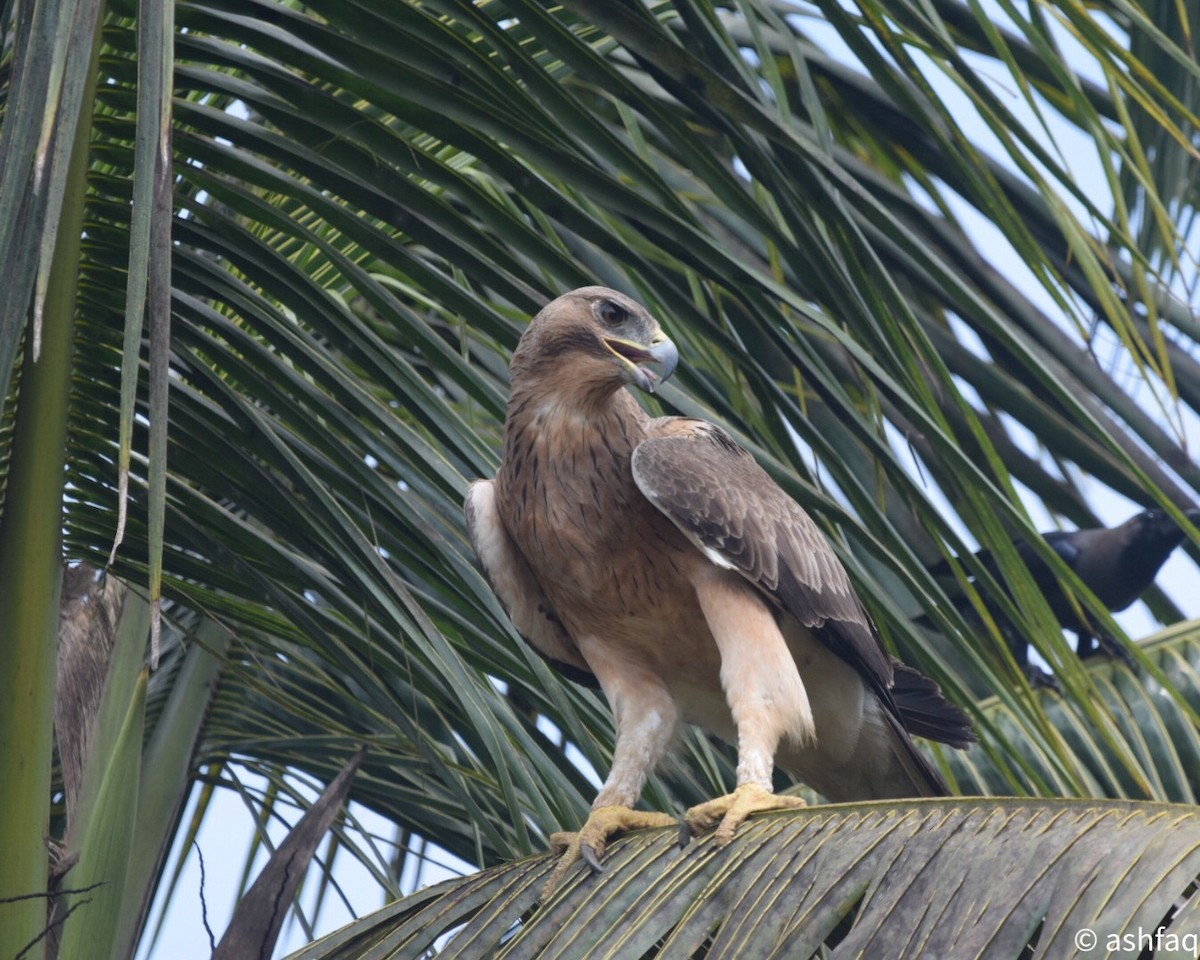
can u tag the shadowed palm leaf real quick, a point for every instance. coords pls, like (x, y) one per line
(906, 879)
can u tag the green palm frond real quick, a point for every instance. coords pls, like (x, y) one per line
(371, 199)
(1152, 707)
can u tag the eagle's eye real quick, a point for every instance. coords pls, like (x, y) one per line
(612, 313)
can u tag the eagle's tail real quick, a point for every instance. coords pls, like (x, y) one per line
(921, 709)
(925, 711)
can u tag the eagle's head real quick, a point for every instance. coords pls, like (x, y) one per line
(597, 338)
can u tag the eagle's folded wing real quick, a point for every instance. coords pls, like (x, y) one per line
(714, 491)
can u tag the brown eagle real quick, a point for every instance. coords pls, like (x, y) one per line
(653, 556)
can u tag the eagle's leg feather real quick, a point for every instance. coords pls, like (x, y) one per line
(646, 718)
(727, 813)
(589, 842)
(766, 698)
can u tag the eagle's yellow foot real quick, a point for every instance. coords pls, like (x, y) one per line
(589, 842)
(730, 810)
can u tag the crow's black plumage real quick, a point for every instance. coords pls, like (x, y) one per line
(1118, 564)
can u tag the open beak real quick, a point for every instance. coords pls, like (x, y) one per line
(660, 351)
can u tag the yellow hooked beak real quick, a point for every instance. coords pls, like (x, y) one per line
(659, 351)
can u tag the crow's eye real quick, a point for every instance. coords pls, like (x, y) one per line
(612, 313)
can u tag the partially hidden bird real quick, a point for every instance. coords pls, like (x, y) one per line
(1118, 564)
(655, 558)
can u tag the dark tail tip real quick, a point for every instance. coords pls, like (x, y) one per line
(926, 712)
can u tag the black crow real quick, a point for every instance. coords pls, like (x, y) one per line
(1118, 564)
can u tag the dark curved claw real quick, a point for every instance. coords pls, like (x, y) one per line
(685, 834)
(588, 854)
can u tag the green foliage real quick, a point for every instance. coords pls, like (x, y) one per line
(370, 199)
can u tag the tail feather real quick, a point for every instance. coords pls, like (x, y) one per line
(923, 779)
(924, 710)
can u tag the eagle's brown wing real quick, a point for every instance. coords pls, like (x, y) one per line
(715, 492)
(513, 582)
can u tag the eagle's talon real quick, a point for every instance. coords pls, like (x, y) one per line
(590, 842)
(685, 833)
(728, 812)
(591, 857)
